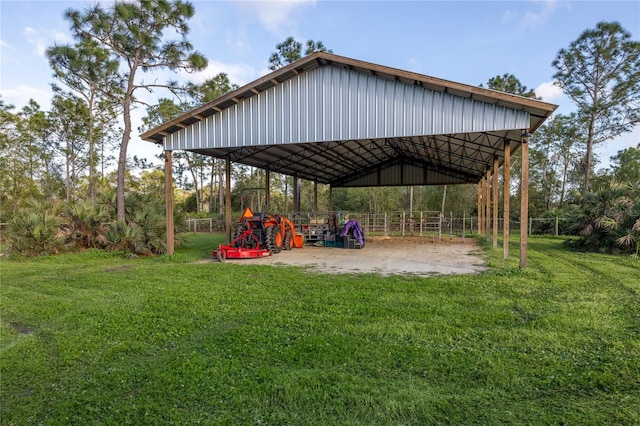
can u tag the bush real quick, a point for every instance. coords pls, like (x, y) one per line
(85, 224)
(128, 238)
(607, 219)
(35, 230)
(46, 228)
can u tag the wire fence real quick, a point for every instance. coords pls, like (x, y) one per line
(398, 223)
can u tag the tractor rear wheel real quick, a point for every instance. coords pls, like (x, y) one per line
(288, 240)
(240, 227)
(274, 239)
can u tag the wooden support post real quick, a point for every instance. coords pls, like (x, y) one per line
(487, 207)
(315, 197)
(524, 200)
(330, 198)
(296, 195)
(227, 199)
(481, 215)
(267, 188)
(168, 194)
(480, 206)
(506, 199)
(495, 202)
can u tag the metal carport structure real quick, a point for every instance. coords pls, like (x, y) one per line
(345, 122)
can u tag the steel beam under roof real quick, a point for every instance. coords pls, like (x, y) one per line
(345, 122)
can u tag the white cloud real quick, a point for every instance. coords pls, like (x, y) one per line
(235, 42)
(549, 92)
(542, 11)
(239, 74)
(20, 96)
(39, 44)
(5, 45)
(42, 42)
(6, 53)
(536, 19)
(61, 38)
(277, 16)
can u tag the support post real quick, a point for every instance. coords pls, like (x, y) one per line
(296, 195)
(464, 223)
(315, 197)
(227, 199)
(506, 200)
(487, 209)
(168, 191)
(386, 224)
(524, 199)
(495, 202)
(330, 198)
(267, 188)
(481, 206)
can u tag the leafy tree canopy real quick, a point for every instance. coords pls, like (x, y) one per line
(508, 83)
(600, 72)
(134, 34)
(290, 51)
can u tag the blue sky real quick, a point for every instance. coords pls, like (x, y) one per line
(463, 41)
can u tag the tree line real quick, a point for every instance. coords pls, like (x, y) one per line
(66, 154)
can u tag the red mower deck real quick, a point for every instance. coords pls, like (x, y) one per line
(227, 252)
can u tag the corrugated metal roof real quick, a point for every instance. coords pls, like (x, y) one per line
(349, 123)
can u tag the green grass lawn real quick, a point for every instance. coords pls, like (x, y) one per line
(94, 338)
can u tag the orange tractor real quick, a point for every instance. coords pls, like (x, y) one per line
(260, 235)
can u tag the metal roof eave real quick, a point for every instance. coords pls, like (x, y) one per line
(538, 110)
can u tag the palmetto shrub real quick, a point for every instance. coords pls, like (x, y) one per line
(85, 224)
(143, 211)
(127, 237)
(144, 233)
(35, 230)
(607, 219)
(627, 230)
(49, 228)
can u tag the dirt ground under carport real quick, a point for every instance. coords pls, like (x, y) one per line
(415, 256)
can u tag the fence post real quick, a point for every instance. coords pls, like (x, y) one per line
(464, 223)
(385, 224)
(556, 226)
(451, 225)
(530, 225)
(210, 225)
(403, 220)
(367, 225)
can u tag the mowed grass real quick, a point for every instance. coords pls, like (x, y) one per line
(94, 338)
